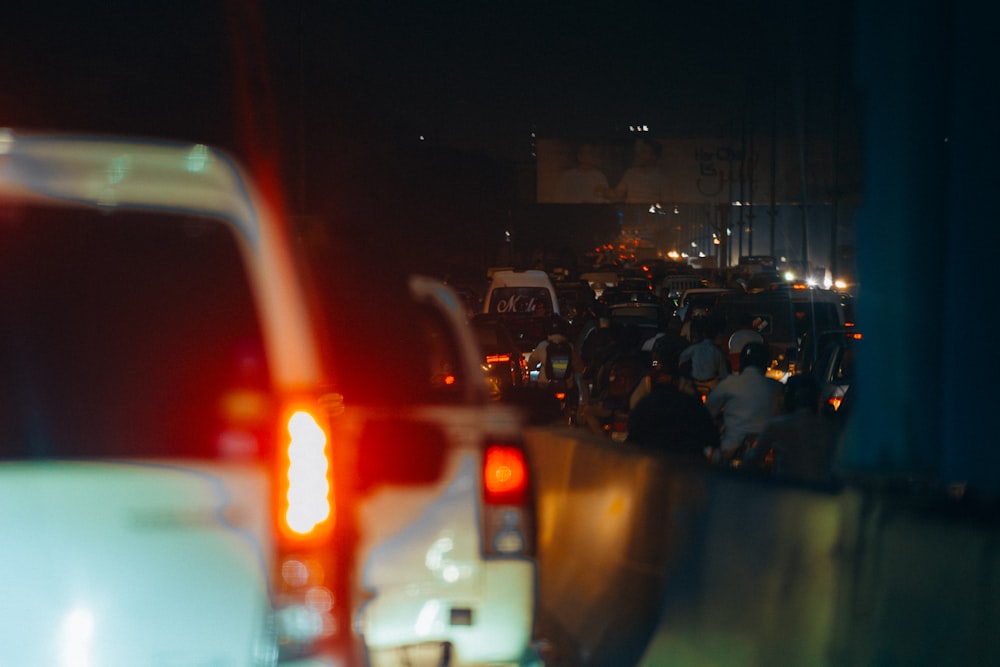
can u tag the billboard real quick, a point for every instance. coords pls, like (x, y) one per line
(647, 171)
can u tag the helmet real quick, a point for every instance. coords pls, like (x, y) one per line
(557, 325)
(755, 354)
(665, 355)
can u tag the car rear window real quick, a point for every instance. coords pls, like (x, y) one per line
(123, 335)
(813, 317)
(520, 300)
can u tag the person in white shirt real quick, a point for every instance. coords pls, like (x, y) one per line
(746, 333)
(745, 401)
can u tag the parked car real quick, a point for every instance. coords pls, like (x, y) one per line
(198, 468)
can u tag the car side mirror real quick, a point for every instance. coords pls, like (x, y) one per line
(399, 452)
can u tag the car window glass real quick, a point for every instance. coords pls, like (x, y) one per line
(125, 335)
(520, 300)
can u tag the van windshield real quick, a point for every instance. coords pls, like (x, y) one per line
(126, 335)
(520, 301)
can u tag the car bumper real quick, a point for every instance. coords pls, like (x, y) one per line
(493, 628)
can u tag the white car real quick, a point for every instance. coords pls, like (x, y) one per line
(189, 472)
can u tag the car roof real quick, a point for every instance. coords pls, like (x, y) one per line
(152, 174)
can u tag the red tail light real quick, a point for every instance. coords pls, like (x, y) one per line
(306, 587)
(498, 358)
(305, 498)
(508, 511)
(505, 475)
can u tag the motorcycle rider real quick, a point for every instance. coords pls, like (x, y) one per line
(745, 401)
(803, 440)
(543, 357)
(669, 420)
(703, 362)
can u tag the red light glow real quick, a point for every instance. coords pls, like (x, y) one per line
(505, 475)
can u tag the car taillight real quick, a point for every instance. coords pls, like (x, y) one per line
(306, 584)
(307, 502)
(498, 359)
(508, 507)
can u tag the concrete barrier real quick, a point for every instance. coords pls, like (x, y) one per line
(641, 562)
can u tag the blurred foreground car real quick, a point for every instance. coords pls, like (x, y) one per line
(442, 486)
(192, 471)
(163, 472)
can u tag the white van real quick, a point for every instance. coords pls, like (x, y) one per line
(516, 292)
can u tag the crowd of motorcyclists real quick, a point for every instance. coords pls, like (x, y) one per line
(689, 389)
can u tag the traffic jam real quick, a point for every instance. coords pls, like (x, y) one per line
(335, 335)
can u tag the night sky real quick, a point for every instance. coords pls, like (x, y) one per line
(417, 118)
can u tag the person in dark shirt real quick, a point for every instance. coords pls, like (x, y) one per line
(803, 441)
(668, 420)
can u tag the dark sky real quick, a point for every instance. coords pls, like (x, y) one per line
(465, 65)
(344, 90)
(483, 69)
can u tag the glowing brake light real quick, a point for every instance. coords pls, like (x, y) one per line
(308, 498)
(508, 514)
(498, 358)
(505, 475)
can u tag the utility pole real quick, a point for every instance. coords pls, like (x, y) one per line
(773, 209)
